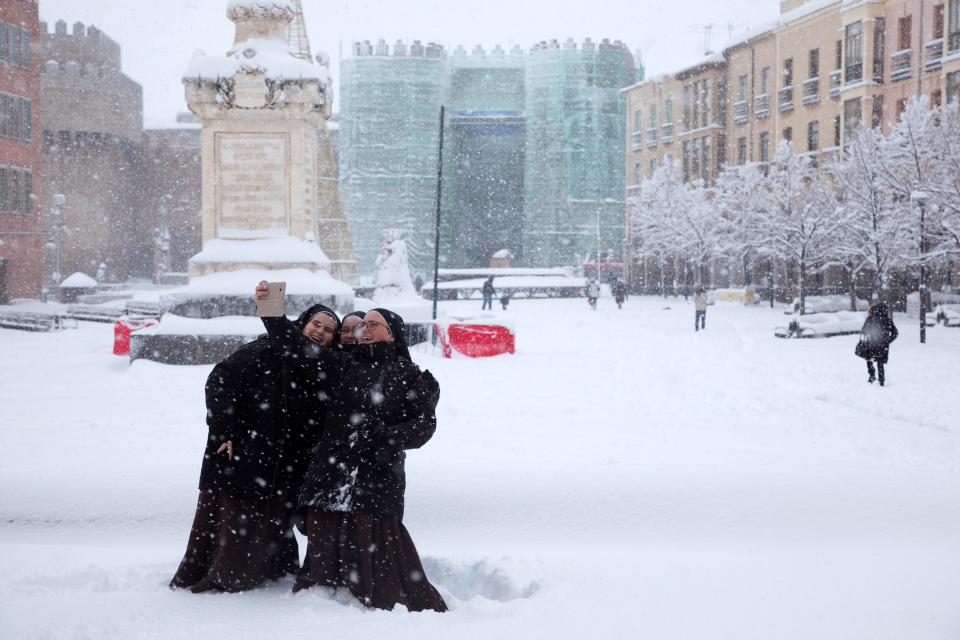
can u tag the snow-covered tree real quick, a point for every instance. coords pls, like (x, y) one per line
(944, 187)
(907, 164)
(873, 225)
(661, 199)
(800, 220)
(739, 198)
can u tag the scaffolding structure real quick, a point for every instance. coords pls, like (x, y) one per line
(297, 34)
(533, 158)
(484, 157)
(575, 144)
(389, 129)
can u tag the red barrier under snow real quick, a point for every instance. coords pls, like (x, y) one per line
(122, 330)
(477, 340)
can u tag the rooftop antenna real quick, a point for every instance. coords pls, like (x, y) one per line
(297, 34)
(707, 31)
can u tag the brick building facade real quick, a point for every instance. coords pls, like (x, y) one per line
(21, 237)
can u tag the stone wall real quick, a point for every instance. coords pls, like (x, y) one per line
(92, 118)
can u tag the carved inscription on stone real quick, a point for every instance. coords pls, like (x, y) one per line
(252, 181)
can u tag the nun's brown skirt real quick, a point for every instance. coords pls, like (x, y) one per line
(237, 543)
(373, 556)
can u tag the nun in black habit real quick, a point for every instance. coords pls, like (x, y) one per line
(265, 412)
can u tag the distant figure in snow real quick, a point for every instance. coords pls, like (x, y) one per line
(505, 301)
(700, 303)
(488, 292)
(875, 337)
(263, 419)
(418, 283)
(619, 288)
(593, 292)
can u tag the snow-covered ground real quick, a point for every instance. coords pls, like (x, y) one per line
(620, 476)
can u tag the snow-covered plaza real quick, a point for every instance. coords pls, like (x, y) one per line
(620, 476)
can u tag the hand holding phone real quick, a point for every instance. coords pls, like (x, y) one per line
(270, 297)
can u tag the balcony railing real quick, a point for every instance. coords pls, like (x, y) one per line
(785, 98)
(811, 91)
(954, 42)
(854, 73)
(835, 82)
(740, 112)
(902, 65)
(666, 134)
(761, 105)
(934, 55)
(636, 140)
(652, 137)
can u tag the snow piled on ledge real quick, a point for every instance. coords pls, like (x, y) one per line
(280, 250)
(244, 281)
(270, 57)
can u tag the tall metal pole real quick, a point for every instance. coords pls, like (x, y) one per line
(923, 275)
(598, 247)
(436, 240)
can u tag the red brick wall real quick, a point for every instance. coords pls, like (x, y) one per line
(22, 255)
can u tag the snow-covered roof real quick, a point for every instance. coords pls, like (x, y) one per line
(503, 253)
(272, 58)
(804, 10)
(78, 280)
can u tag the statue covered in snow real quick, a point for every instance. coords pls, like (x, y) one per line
(392, 279)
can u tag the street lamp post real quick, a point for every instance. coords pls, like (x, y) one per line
(55, 212)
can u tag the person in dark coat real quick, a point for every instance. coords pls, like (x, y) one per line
(380, 405)
(264, 414)
(875, 337)
(488, 292)
(619, 290)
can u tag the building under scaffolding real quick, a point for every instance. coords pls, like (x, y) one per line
(483, 157)
(575, 123)
(390, 98)
(533, 150)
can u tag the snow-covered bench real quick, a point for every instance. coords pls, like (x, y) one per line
(35, 320)
(822, 325)
(826, 304)
(948, 314)
(95, 312)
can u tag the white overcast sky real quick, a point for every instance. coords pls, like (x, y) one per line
(159, 37)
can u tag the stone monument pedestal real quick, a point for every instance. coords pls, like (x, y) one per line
(263, 113)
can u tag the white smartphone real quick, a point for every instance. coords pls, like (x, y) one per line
(272, 305)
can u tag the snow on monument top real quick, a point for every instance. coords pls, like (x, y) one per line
(259, 46)
(272, 58)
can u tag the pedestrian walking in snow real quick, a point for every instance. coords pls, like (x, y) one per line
(380, 404)
(875, 337)
(619, 290)
(264, 417)
(593, 292)
(700, 304)
(488, 292)
(505, 301)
